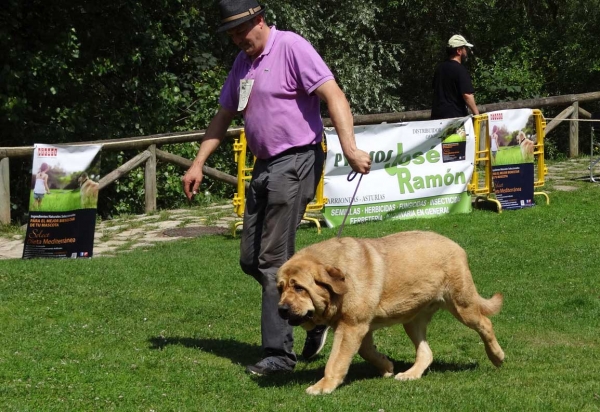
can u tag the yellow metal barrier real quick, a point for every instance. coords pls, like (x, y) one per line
(244, 174)
(482, 184)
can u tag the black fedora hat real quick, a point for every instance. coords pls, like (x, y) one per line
(236, 12)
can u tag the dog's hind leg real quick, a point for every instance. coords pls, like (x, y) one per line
(473, 316)
(368, 351)
(417, 332)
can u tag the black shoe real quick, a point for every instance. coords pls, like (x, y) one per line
(269, 365)
(315, 340)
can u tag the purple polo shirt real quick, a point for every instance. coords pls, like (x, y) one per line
(282, 111)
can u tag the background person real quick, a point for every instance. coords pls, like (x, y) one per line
(41, 186)
(494, 143)
(276, 82)
(453, 91)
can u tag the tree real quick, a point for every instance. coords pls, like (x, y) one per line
(84, 70)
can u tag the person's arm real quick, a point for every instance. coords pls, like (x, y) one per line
(470, 101)
(215, 133)
(46, 183)
(341, 117)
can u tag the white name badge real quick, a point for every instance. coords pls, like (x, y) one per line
(245, 89)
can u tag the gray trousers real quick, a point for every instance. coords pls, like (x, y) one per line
(280, 189)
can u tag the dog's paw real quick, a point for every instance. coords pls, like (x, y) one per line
(388, 369)
(321, 388)
(497, 359)
(313, 390)
(407, 376)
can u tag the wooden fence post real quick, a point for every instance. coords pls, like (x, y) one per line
(574, 131)
(4, 192)
(150, 180)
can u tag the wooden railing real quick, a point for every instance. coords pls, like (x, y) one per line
(149, 152)
(147, 157)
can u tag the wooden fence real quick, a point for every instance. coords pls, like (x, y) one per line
(150, 154)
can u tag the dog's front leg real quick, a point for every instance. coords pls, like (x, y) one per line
(346, 342)
(369, 352)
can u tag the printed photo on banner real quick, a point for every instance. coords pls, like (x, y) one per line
(454, 141)
(512, 136)
(63, 201)
(64, 181)
(419, 169)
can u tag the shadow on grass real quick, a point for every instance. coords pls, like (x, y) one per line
(358, 371)
(238, 352)
(305, 373)
(485, 204)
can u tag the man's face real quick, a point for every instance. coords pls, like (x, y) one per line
(464, 54)
(247, 36)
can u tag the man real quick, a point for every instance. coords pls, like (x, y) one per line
(452, 88)
(276, 82)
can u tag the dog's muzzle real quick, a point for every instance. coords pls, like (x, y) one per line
(293, 319)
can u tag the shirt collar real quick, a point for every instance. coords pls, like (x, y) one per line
(270, 41)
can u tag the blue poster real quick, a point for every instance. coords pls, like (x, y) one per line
(513, 185)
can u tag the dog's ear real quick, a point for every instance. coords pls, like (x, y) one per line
(333, 279)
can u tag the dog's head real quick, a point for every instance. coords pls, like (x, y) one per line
(521, 137)
(82, 178)
(307, 290)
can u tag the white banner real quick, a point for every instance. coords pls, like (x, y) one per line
(512, 143)
(419, 169)
(63, 201)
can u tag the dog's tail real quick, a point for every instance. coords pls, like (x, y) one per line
(491, 306)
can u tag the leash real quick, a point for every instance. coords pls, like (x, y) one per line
(350, 178)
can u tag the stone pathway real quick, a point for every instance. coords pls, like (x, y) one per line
(570, 175)
(127, 233)
(130, 232)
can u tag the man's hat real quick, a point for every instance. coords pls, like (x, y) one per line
(458, 41)
(236, 12)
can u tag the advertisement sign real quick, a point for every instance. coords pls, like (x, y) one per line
(63, 201)
(512, 136)
(419, 169)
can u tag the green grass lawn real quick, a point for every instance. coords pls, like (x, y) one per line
(509, 155)
(171, 328)
(57, 201)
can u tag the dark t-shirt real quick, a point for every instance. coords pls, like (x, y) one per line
(450, 81)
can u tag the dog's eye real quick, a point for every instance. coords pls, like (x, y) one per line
(298, 288)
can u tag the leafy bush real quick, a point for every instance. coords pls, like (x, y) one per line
(508, 75)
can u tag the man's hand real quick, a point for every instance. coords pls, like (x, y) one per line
(212, 138)
(359, 161)
(191, 181)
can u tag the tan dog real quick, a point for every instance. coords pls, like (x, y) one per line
(360, 285)
(88, 190)
(526, 146)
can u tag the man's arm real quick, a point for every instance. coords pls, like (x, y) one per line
(215, 133)
(341, 117)
(470, 101)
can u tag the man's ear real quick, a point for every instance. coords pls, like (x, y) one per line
(333, 279)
